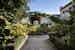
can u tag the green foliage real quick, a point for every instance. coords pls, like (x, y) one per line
(73, 0)
(43, 28)
(56, 20)
(72, 28)
(56, 28)
(10, 4)
(39, 14)
(8, 9)
(4, 32)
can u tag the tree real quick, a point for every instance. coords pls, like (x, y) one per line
(72, 28)
(11, 4)
(71, 24)
(8, 10)
(11, 7)
(56, 20)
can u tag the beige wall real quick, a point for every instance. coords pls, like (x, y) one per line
(65, 14)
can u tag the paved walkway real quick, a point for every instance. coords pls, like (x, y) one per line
(39, 42)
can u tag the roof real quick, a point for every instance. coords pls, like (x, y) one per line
(66, 5)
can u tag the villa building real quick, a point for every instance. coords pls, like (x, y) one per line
(65, 11)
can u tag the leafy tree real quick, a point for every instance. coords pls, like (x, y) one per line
(11, 7)
(56, 20)
(71, 24)
(8, 10)
(72, 28)
(10, 4)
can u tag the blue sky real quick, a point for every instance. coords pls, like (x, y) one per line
(47, 6)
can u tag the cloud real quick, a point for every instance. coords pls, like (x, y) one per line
(49, 12)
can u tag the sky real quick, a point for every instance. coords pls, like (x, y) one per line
(47, 6)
